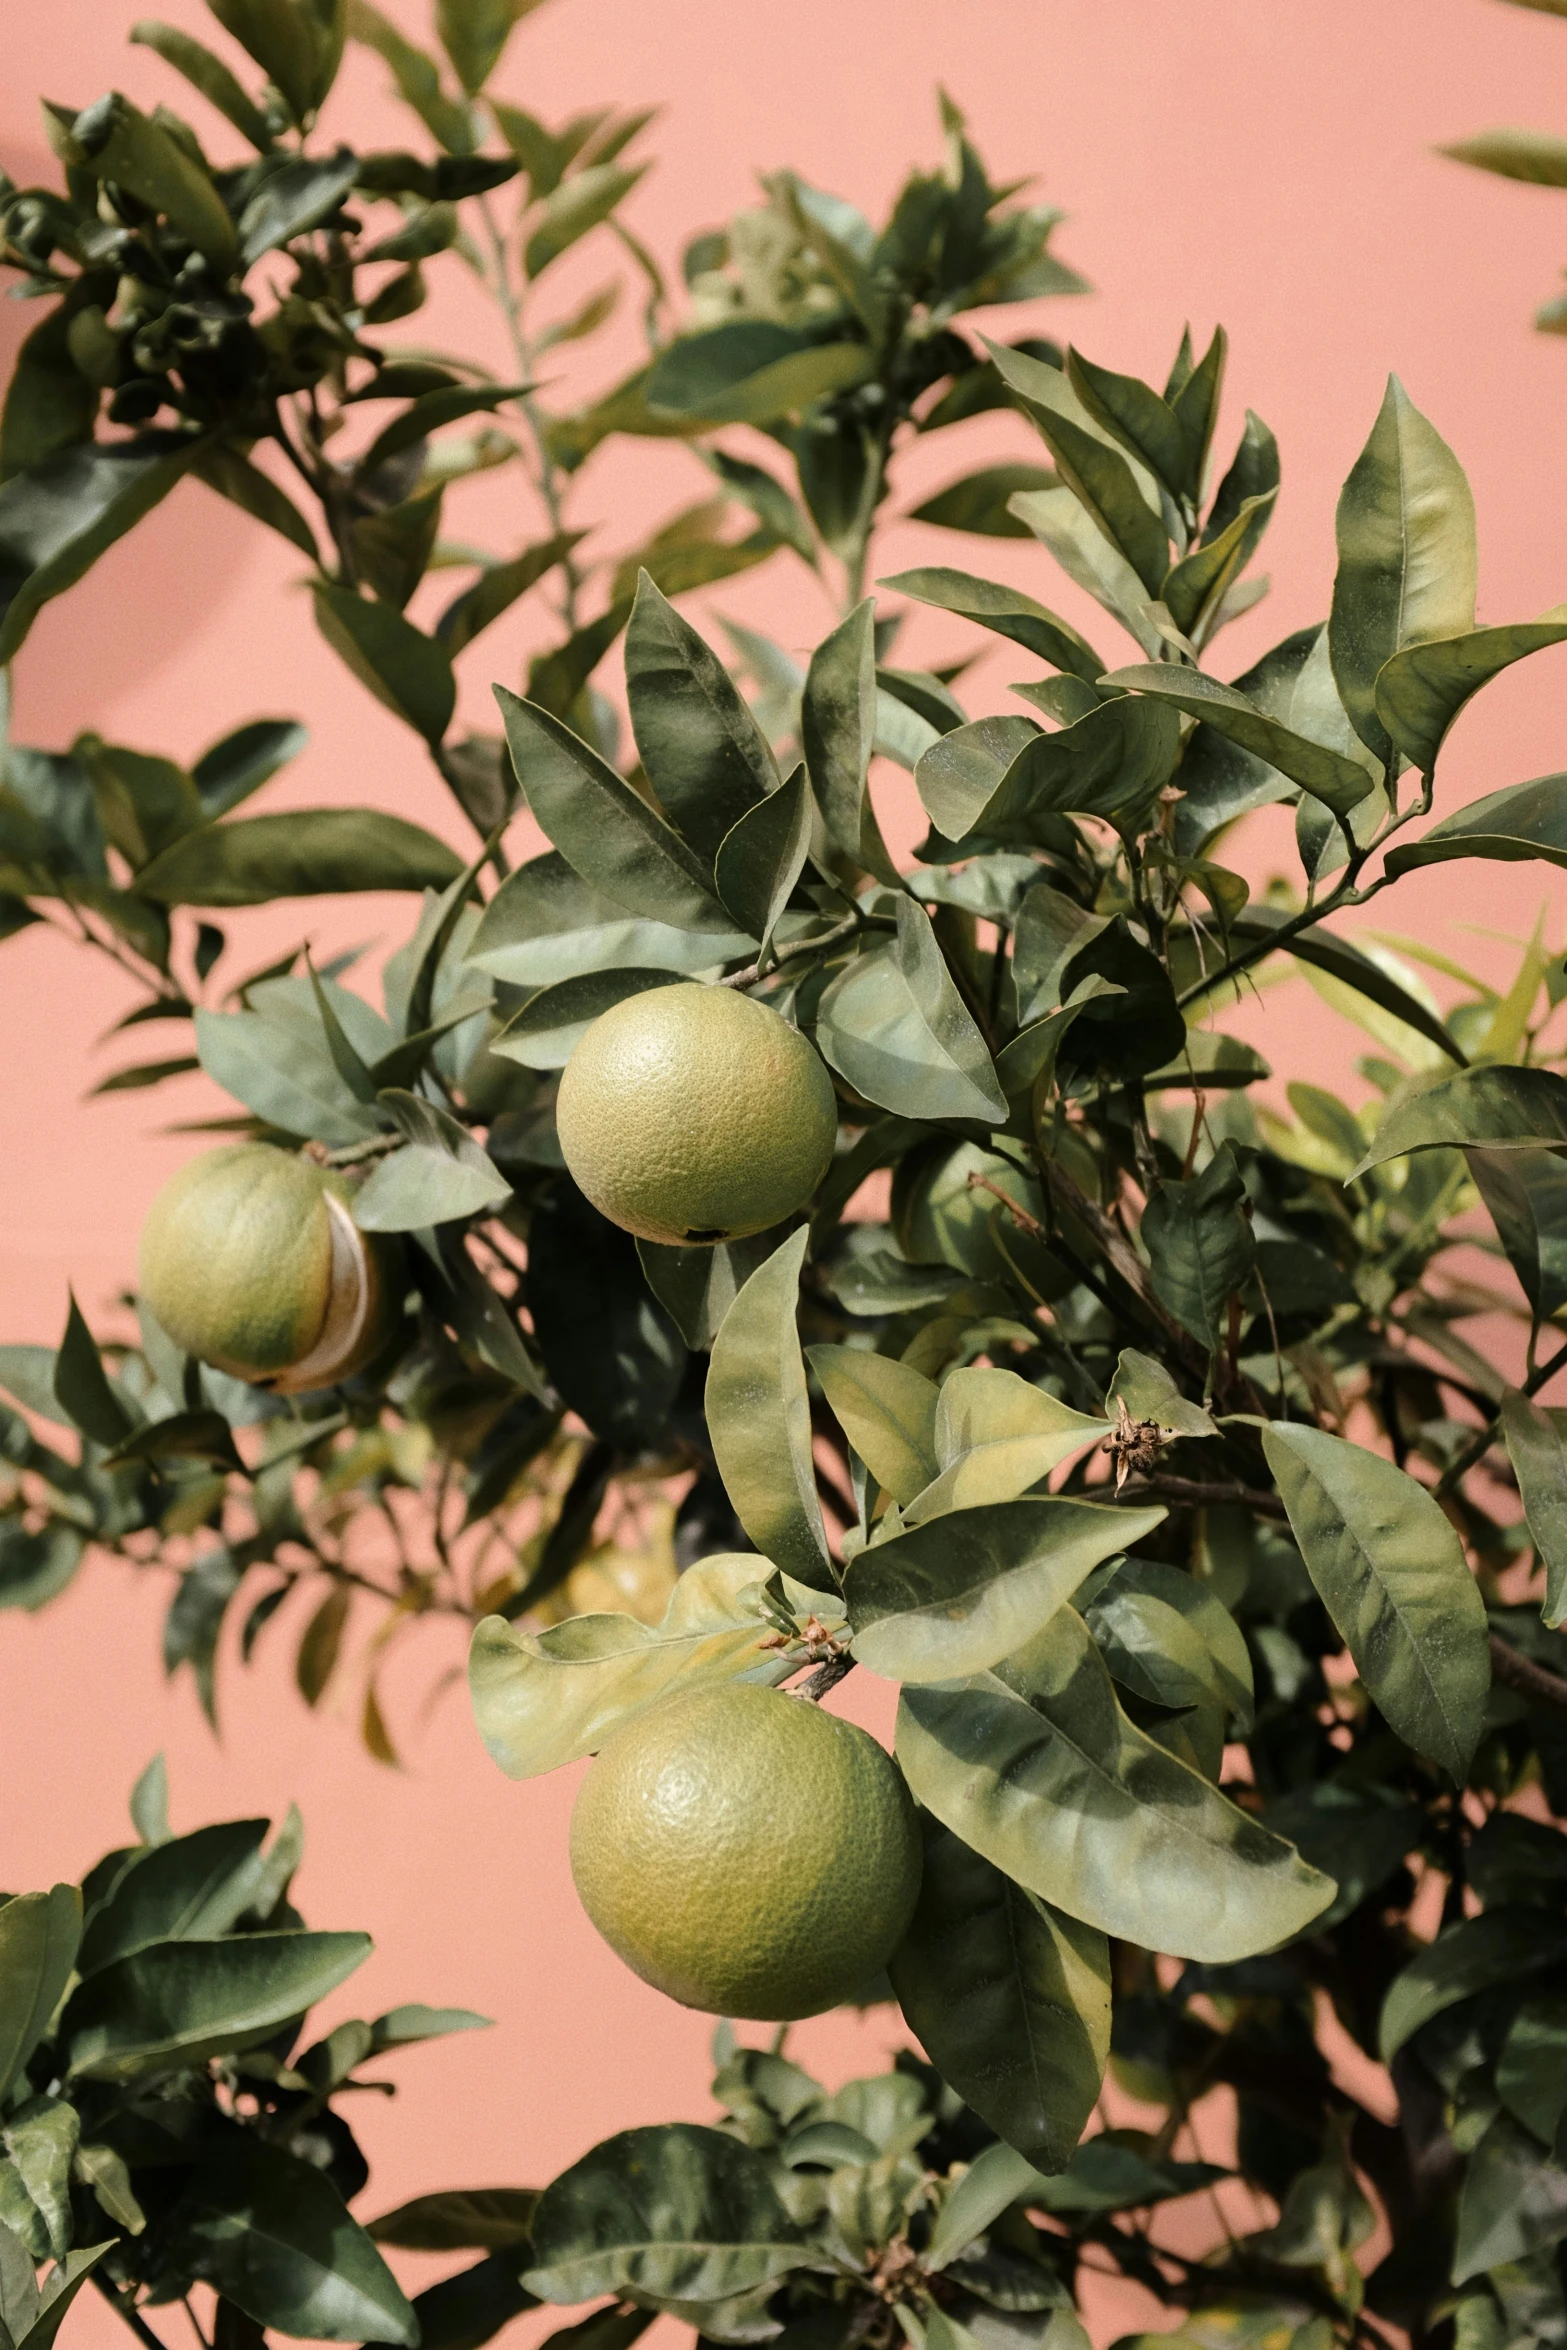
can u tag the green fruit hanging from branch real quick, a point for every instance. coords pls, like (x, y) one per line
(251, 1261)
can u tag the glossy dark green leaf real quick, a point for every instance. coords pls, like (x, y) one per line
(299, 47)
(50, 405)
(609, 835)
(1005, 610)
(405, 669)
(1531, 2071)
(550, 1026)
(470, 2308)
(1359, 1835)
(611, 1350)
(41, 2314)
(1539, 1457)
(762, 856)
(442, 1176)
(958, 1594)
(1330, 777)
(676, 2213)
(1118, 1036)
(1525, 1193)
(294, 199)
(1132, 413)
(459, 2219)
(498, 587)
(177, 2003)
(1521, 823)
(1036, 1766)
(1406, 556)
(1092, 467)
(981, 501)
(82, 1387)
(705, 756)
(1421, 689)
(392, 548)
(894, 1025)
(838, 735)
(1391, 1572)
(311, 852)
(1475, 1955)
(759, 1418)
(39, 1933)
(243, 761)
(225, 469)
(208, 74)
(274, 2236)
(1200, 1245)
(1113, 762)
(697, 1286)
(59, 517)
(1513, 2203)
(1492, 1108)
(189, 1888)
(134, 150)
(1009, 1998)
(750, 371)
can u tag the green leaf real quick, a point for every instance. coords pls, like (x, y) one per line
(50, 404)
(1005, 610)
(838, 735)
(762, 856)
(175, 2004)
(1088, 557)
(995, 1437)
(41, 2138)
(706, 758)
(1531, 2072)
(498, 587)
(697, 1286)
(1539, 1458)
(1092, 467)
(676, 2213)
(1113, 761)
(1200, 1245)
(223, 468)
(426, 414)
(82, 1387)
(887, 1410)
(1345, 963)
(894, 1025)
(392, 548)
(759, 1418)
(475, 32)
(57, 518)
(1390, 1570)
(417, 76)
(1135, 415)
(577, 206)
(311, 852)
(1493, 1108)
(1513, 2202)
(442, 1177)
(608, 1345)
(1522, 822)
(982, 501)
(63, 2285)
(1479, 1954)
(1421, 689)
(1525, 1193)
(406, 670)
(35, 1568)
(1194, 592)
(243, 761)
(298, 45)
(958, 1594)
(293, 199)
(210, 76)
(1036, 1767)
(120, 143)
(274, 2236)
(1011, 2001)
(1329, 776)
(461, 2219)
(470, 2308)
(605, 831)
(1406, 557)
(187, 1888)
(550, 1026)
(1196, 404)
(39, 1933)
(1534, 156)
(541, 1699)
(282, 1069)
(751, 371)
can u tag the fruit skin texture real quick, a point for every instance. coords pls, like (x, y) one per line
(747, 1853)
(692, 1114)
(251, 1262)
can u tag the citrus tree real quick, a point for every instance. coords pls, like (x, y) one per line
(1129, 1424)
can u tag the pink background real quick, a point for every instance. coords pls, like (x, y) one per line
(1263, 162)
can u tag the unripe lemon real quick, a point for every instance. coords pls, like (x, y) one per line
(692, 1114)
(251, 1261)
(747, 1853)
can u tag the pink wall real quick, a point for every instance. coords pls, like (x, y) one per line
(1264, 162)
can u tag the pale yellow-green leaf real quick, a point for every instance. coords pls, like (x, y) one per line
(995, 1436)
(887, 1410)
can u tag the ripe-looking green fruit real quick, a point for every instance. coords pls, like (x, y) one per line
(251, 1261)
(747, 1853)
(692, 1114)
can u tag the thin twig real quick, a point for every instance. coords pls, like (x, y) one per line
(127, 2312)
(805, 946)
(1523, 1674)
(1201, 1493)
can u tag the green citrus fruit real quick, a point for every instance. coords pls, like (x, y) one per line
(747, 1853)
(693, 1114)
(251, 1261)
